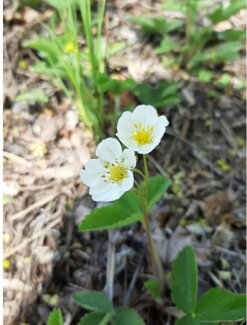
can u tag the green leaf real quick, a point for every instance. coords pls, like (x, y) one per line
(205, 75)
(166, 88)
(55, 318)
(61, 4)
(157, 25)
(199, 39)
(164, 95)
(166, 45)
(192, 8)
(187, 320)
(221, 53)
(144, 93)
(122, 212)
(127, 316)
(218, 305)
(224, 80)
(116, 87)
(232, 35)
(157, 186)
(227, 52)
(169, 100)
(174, 5)
(183, 6)
(116, 47)
(35, 95)
(221, 13)
(31, 3)
(174, 24)
(45, 69)
(93, 300)
(153, 288)
(213, 94)
(47, 48)
(184, 280)
(92, 318)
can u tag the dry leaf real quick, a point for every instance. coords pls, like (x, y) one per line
(216, 205)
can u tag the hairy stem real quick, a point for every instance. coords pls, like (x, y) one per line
(155, 258)
(110, 265)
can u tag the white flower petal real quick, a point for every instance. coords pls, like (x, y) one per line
(110, 193)
(107, 192)
(126, 121)
(109, 149)
(101, 187)
(92, 173)
(127, 183)
(160, 127)
(129, 158)
(124, 127)
(146, 148)
(93, 165)
(164, 120)
(127, 141)
(145, 114)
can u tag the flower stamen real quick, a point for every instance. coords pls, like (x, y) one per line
(142, 135)
(117, 173)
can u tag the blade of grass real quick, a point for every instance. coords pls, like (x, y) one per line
(100, 17)
(85, 9)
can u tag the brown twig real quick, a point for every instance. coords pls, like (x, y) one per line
(26, 241)
(37, 204)
(16, 158)
(133, 280)
(196, 153)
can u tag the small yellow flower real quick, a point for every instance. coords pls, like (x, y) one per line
(6, 264)
(223, 165)
(22, 64)
(69, 47)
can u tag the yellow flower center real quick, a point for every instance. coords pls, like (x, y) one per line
(117, 173)
(69, 47)
(142, 135)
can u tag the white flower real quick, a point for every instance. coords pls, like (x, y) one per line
(109, 176)
(142, 129)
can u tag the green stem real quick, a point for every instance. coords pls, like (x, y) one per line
(137, 184)
(106, 319)
(155, 258)
(138, 171)
(117, 105)
(85, 7)
(145, 166)
(100, 18)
